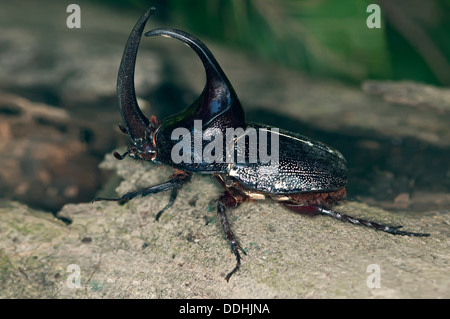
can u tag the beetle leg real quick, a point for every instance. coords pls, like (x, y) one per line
(179, 178)
(173, 196)
(394, 230)
(227, 201)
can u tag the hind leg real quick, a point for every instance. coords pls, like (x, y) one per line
(317, 210)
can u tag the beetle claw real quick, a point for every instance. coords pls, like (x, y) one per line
(173, 196)
(123, 129)
(227, 201)
(235, 249)
(120, 157)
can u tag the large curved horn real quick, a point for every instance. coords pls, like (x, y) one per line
(135, 121)
(218, 96)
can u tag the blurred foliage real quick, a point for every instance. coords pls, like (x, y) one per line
(325, 37)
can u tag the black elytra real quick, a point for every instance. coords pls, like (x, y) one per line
(310, 176)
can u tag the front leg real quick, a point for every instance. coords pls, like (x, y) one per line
(177, 180)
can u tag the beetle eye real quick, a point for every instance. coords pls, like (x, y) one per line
(147, 152)
(148, 148)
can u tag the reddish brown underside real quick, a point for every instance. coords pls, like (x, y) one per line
(236, 194)
(325, 199)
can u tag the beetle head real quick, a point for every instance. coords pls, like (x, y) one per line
(217, 106)
(140, 129)
(143, 148)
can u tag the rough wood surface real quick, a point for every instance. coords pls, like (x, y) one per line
(123, 253)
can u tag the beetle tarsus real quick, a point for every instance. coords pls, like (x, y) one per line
(394, 230)
(123, 129)
(177, 180)
(173, 196)
(234, 249)
(227, 201)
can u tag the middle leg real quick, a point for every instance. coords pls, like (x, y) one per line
(231, 198)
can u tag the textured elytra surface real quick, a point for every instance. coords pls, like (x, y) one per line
(300, 165)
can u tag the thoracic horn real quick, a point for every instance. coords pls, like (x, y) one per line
(218, 97)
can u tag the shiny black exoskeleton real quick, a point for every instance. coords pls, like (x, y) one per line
(309, 176)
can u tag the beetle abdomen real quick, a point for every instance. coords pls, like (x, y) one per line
(304, 165)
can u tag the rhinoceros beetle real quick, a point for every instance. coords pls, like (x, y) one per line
(310, 176)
